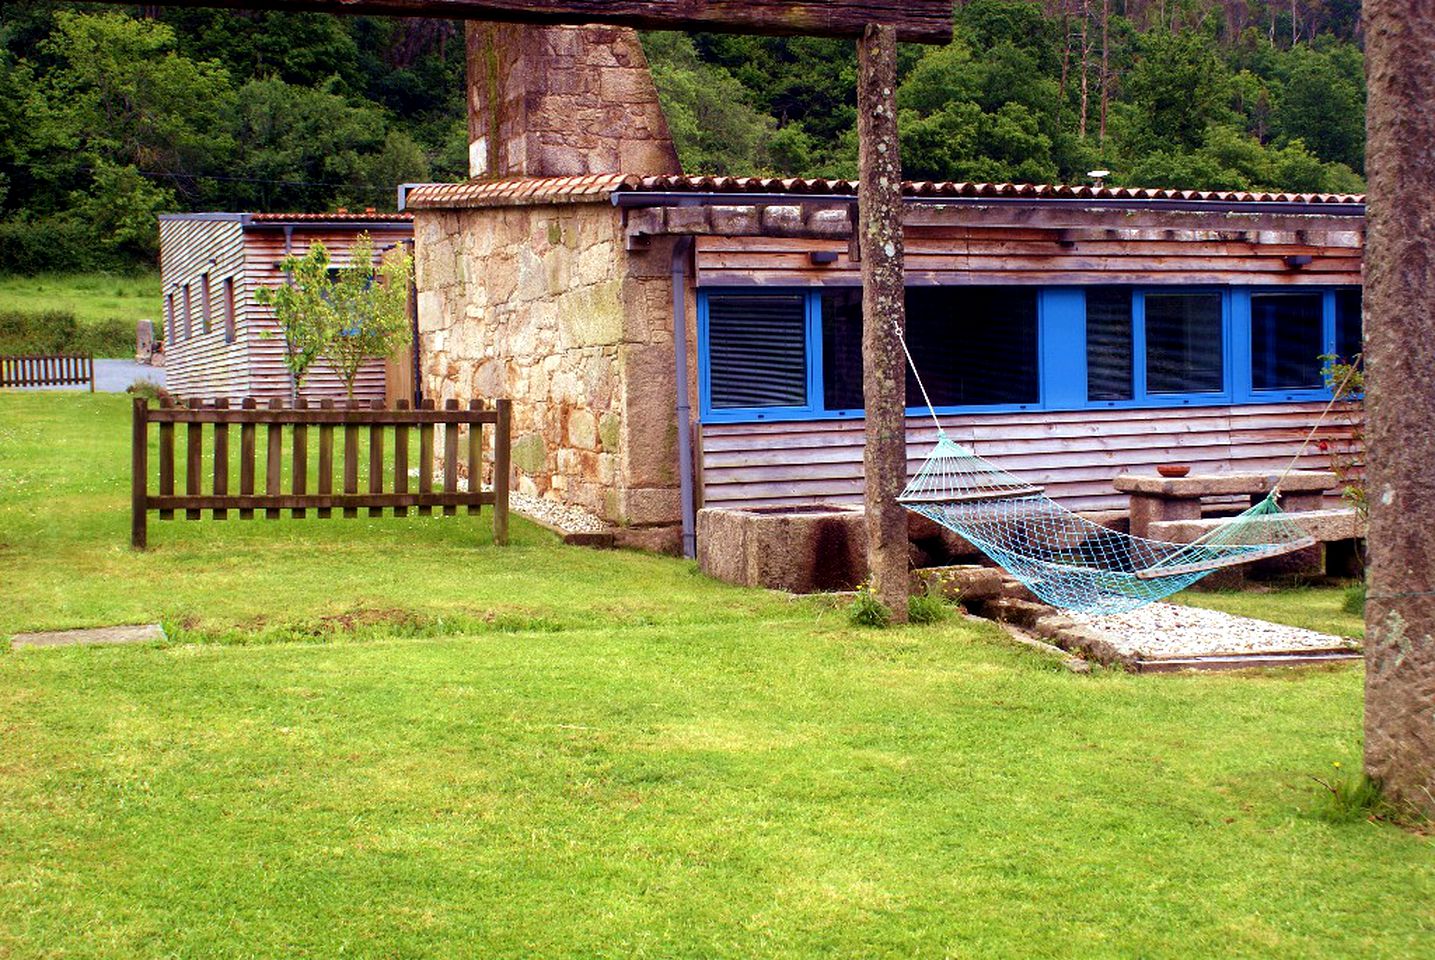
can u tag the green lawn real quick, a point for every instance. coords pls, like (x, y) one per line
(392, 739)
(92, 297)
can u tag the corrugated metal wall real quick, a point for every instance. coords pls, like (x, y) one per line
(1075, 454)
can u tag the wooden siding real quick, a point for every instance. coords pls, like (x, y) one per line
(1017, 255)
(263, 252)
(1074, 454)
(199, 364)
(208, 365)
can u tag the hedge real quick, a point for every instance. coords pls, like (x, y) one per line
(57, 331)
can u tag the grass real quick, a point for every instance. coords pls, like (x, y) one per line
(549, 751)
(91, 297)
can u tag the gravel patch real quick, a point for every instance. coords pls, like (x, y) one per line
(566, 518)
(1166, 630)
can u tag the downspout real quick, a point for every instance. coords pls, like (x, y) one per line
(681, 248)
(289, 279)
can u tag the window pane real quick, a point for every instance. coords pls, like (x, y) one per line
(1108, 343)
(1287, 339)
(1349, 335)
(973, 345)
(842, 350)
(757, 350)
(1183, 343)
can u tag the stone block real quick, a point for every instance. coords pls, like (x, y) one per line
(649, 506)
(667, 540)
(964, 582)
(1022, 613)
(782, 220)
(798, 549)
(649, 444)
(583, 429)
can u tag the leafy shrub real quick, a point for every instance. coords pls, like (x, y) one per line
(1355, 599)
(867, 610)
(57, 331)
(927, 609)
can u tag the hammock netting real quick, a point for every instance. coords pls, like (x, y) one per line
(1075, 563)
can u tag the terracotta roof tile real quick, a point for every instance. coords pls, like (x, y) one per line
(348, 215)
(589, 189)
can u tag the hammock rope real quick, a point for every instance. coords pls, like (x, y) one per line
(1067, 560)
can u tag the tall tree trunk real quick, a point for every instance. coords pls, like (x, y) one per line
(1065, 58)
(884, 316)
(1399, 353)
(1105, 66)
(1085, 66)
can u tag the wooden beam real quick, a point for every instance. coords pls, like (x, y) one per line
(884, 317)
(915, 21)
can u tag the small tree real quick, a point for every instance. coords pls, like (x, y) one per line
(370, 309)
(346, 315)
(303, 309)
(1346, 379)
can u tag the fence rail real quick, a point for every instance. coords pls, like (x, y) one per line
(207, 484)
(48, 370)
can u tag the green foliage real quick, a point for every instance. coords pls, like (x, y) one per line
(713, 122)
(927, 608)
(369, 315)
(1354, 602)
(866, 610)
(343, 314)
(1350, 796)
(1346, 378)
(57, 331)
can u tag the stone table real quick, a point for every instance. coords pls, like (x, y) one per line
(1157, 498)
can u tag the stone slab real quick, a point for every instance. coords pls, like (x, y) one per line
(133, 633)
(1323, 525)
(1216, 484)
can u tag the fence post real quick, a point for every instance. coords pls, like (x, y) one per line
(501, 461)
(90, 362)
(139, 474)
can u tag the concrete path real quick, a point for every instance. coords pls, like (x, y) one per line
(136, 633)
(115, 376)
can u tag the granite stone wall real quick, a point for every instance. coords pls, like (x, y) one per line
(543, 305)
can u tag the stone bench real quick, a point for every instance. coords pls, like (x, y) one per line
(1340, 526)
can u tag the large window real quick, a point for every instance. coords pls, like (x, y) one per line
(793, 354)
(1184, 349)
(1287, 340)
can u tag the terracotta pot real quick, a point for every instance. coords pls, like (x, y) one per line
(1173, 470)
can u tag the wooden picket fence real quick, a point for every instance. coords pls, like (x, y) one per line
(48, 370)
(375, 419)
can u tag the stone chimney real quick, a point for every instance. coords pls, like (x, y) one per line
(562, 101)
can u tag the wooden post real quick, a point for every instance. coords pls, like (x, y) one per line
(246, 459)
(139, 475)
(221, 460)
(376, 458)
(450, 456)
(884, 316)
(1400, 445)
(401, 459)
(299, 465)
(475, 459)
(274, 460)
(501, 465)
(326, 458)
(194, 460)
(426, 459)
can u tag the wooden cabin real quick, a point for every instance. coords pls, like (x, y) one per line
(219, 342)
(1067, 333)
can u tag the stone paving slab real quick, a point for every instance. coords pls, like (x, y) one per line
(133, 633)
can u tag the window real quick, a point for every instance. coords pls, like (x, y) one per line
(975, 346)
(1349, 333)
(1287, 340)
(842, 350)
(757, 351)
(204, 303)
(1184, 350)
(188, 313)
(1108, 344)
(228, 309)
(169, 319)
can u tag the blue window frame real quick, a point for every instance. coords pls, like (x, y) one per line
(1095, 347)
